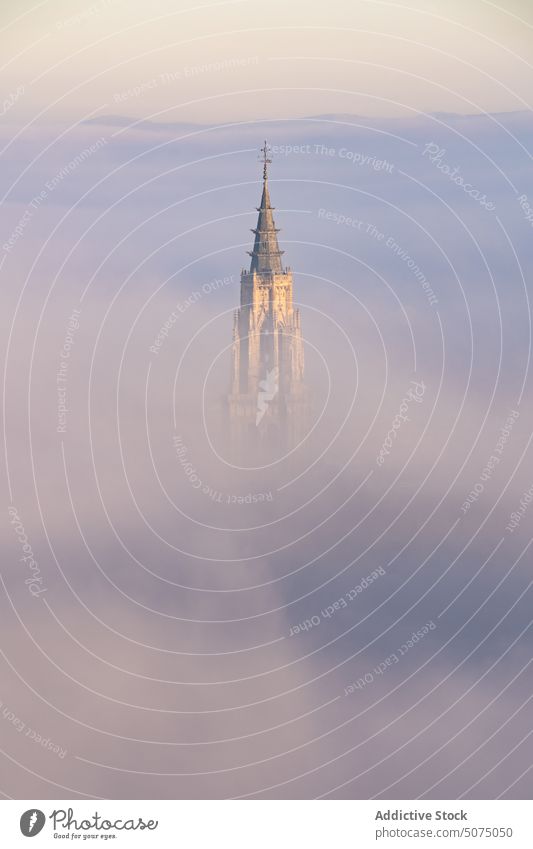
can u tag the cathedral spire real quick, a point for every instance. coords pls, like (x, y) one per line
(267, 401)
(266, 255)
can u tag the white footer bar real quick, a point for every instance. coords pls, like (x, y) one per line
(268, 824)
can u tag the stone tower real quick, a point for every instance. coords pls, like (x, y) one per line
(267, 400)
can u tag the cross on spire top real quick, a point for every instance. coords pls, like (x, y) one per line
(265, 150)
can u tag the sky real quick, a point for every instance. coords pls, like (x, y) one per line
(362, 628)
(242, 59)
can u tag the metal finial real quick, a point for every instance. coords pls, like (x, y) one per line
(265, 150)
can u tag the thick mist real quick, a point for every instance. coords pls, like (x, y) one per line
(350, 620)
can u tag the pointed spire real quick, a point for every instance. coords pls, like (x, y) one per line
(266, 255)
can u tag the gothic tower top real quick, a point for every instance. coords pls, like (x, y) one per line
(266, 255)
